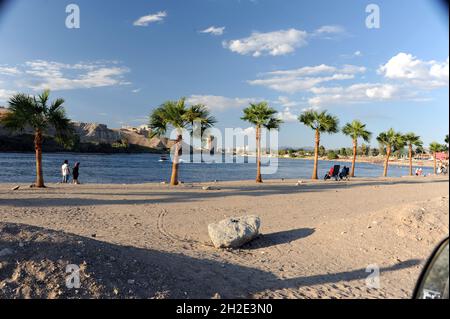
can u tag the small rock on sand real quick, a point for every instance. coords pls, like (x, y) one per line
(15, 188)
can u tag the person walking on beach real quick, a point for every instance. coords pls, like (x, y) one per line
(76, 173)
(65, 171)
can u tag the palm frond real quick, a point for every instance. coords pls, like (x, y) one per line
(262, 115)
(57, 119)
(413, 140)
(21, 113)
(357, 129)
(435, 147)
(323, 121)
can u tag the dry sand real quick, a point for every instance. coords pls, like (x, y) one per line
(151, 241)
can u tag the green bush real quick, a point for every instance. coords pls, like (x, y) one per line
(332, 155)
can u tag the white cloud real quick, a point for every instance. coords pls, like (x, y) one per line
(356, 54)
(306, 78)
(287, 116)
(220, 103)
(151, 18)
(59, 76)
(404, 78)
(249, 131)
(6, 70)
(358, 93)
(6, 94)
(136, 90)
(423, 74)
(282, 42)
(310, 108)
(284, 101)
(272, 43)
(214, 30)
(329, 29)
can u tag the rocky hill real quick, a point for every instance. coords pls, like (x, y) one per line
(90, 137)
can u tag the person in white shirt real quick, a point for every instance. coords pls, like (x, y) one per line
(65, 171)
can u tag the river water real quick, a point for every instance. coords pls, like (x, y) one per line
(142, 168)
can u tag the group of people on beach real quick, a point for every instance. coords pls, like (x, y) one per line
(442, 168)
(65, 171)
(419, 171)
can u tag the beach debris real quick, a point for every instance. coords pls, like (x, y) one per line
(300, 183)
(6, 252)
(210, 188)
(234, 232)
(94, 235)
(15, 188)
(216, 296)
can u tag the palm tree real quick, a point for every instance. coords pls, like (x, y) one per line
(412, 140)
(200, 120)
(356, 130)
(321, 123)
(434, 149)
(176, 115)
(262, 116)
(34, 112)
(393, 142)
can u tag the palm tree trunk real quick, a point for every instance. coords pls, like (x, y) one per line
(355, 150)
(316, 155)
(38, 150)
(435, 163)
(386, 163)
(176, 162)
(258, 155)
(410, 161)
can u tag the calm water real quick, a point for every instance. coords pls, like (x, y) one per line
(141, 168)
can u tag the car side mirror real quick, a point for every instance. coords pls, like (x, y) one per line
(434, 280)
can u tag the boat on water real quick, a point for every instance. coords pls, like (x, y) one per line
(163, 158)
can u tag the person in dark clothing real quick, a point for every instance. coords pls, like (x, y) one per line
(76, 173)
(344, 174)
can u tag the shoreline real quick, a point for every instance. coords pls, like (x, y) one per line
(378, 162)
(266, 181)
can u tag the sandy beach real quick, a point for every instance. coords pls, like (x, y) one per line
(151, 240)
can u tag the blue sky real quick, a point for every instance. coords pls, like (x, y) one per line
(128, 57)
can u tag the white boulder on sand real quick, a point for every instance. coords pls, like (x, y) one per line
(234, 232)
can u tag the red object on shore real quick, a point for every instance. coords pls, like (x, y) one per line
(442, 156)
